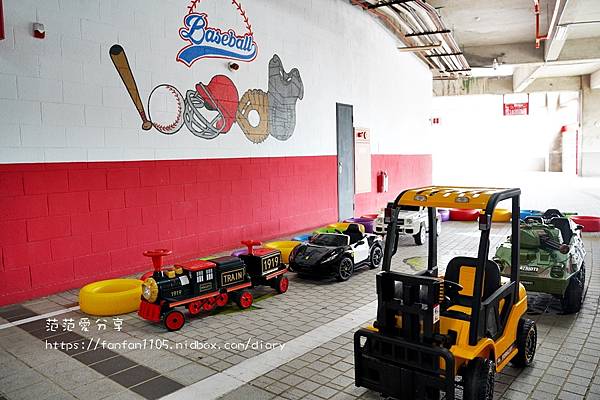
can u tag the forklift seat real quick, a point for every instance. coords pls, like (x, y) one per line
(491, 278)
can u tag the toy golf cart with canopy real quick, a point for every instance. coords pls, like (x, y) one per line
(431, 330)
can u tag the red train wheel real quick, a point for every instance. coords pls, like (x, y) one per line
(210, 304)
(282, 284)
(195, 307)
(245, 300)
(174, 320)
(222, 299)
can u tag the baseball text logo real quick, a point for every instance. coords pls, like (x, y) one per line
(205, 41)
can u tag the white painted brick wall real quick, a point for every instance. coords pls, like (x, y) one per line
(62, 100)
(39, 89)
(60, 114)
(8, 86)
(11, 135)
(43, 136)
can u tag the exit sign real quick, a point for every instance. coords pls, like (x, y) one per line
(515, 104)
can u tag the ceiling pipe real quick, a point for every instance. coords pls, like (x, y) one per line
(392, 25)
(417, 24)
(538, 37)
(421, 17)
(420, 48)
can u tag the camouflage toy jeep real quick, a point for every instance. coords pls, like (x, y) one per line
(552, 258)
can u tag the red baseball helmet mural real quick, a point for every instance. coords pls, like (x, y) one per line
(220, 95)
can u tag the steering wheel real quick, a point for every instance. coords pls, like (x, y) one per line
(553, 213)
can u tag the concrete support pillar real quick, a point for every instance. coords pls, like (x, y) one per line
(590, 138)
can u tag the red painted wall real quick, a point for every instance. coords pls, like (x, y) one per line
(66, 224)
(404, 171)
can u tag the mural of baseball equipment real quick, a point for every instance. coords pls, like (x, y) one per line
(165, 109)
(119, 59)
(211, 109)
(277, 110)
(285, 88)
(254, 100)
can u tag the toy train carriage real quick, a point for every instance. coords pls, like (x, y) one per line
(265, 268)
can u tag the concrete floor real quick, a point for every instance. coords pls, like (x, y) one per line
(314, 321)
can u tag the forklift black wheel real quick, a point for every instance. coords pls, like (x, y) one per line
(479, 377)
(420, 236)
(526, 343)
(573, 297)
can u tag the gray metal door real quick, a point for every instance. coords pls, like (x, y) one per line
(345, 159)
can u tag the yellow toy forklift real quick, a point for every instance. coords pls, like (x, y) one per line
(439, 334)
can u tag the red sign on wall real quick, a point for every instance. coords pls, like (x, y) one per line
(1, 21)
(515, 108)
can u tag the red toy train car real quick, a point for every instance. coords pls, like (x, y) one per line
(202, 285)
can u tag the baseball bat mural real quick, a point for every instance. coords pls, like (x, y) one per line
(119, 59)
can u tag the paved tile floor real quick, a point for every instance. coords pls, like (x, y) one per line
(108, 363)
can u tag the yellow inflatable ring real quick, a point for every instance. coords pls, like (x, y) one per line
(111, 297)
(501, 215)
(285, 246)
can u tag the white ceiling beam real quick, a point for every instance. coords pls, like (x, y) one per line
(557, 33)
(524, 76)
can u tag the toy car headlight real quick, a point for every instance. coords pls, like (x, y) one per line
(150, 290)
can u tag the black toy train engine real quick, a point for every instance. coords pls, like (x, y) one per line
(202, 285)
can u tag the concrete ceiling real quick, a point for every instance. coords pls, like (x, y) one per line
(504, 31)
(579, 11)
(483, 23)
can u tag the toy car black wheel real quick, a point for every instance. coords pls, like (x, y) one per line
(573, 297)
(526, 343)
(478, 378)
(174, 320)
(281, 284)
(244, 299)
(376, 257)
(345, 269)
(420, 237)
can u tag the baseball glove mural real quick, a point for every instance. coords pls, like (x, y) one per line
(210, 110)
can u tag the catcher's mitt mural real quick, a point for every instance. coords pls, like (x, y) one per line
(210, 110)
(257, 100)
